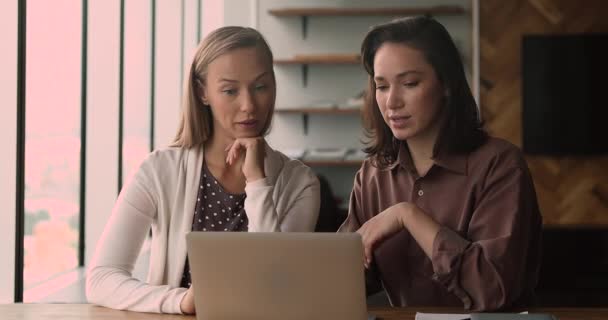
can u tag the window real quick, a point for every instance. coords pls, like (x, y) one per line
(53, 139)
(90, 94)
(136, 77)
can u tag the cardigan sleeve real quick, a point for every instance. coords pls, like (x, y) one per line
(300, 192)
(109, 281)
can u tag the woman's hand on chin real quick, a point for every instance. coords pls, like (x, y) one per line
(249, 153)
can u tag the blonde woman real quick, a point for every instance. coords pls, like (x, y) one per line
(219, 175)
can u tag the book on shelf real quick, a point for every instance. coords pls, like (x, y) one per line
(354, 102)
(323, 104)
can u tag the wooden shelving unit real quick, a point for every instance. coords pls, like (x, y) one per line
(334, 18)
(400, 11)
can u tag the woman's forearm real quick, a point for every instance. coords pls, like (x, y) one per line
(421, 226)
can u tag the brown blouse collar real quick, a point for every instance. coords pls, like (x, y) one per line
(456, 162)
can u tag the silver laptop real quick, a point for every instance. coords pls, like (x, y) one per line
(271, 276)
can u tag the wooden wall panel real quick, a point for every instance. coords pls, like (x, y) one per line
(571, 190)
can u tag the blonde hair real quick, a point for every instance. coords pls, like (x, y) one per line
(196, 123)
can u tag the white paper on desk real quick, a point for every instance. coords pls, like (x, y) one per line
(446, 316)
(441, 316)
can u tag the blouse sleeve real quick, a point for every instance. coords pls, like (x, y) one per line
(486, 267)
(109, 279)
(301, 190)
(352, 224)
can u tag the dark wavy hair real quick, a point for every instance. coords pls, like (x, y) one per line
(463, 129)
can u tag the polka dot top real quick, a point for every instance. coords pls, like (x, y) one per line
(215, 210)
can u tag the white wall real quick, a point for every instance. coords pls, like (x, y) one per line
(239, 12)
(8, 138)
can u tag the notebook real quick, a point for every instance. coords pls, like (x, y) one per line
(272, 276)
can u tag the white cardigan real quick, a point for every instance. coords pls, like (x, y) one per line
(162, 195)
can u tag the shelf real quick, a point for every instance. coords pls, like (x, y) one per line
(305, 60)
(334, 163)
(306, 111)
(321, 59)
(312, 110)
(399, 11)
(304, 13)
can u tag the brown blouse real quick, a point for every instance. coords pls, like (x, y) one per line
(215, 210)
(486, 255)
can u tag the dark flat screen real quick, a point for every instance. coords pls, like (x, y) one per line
(565, 91)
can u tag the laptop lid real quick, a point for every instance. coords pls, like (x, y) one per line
(241, 275)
